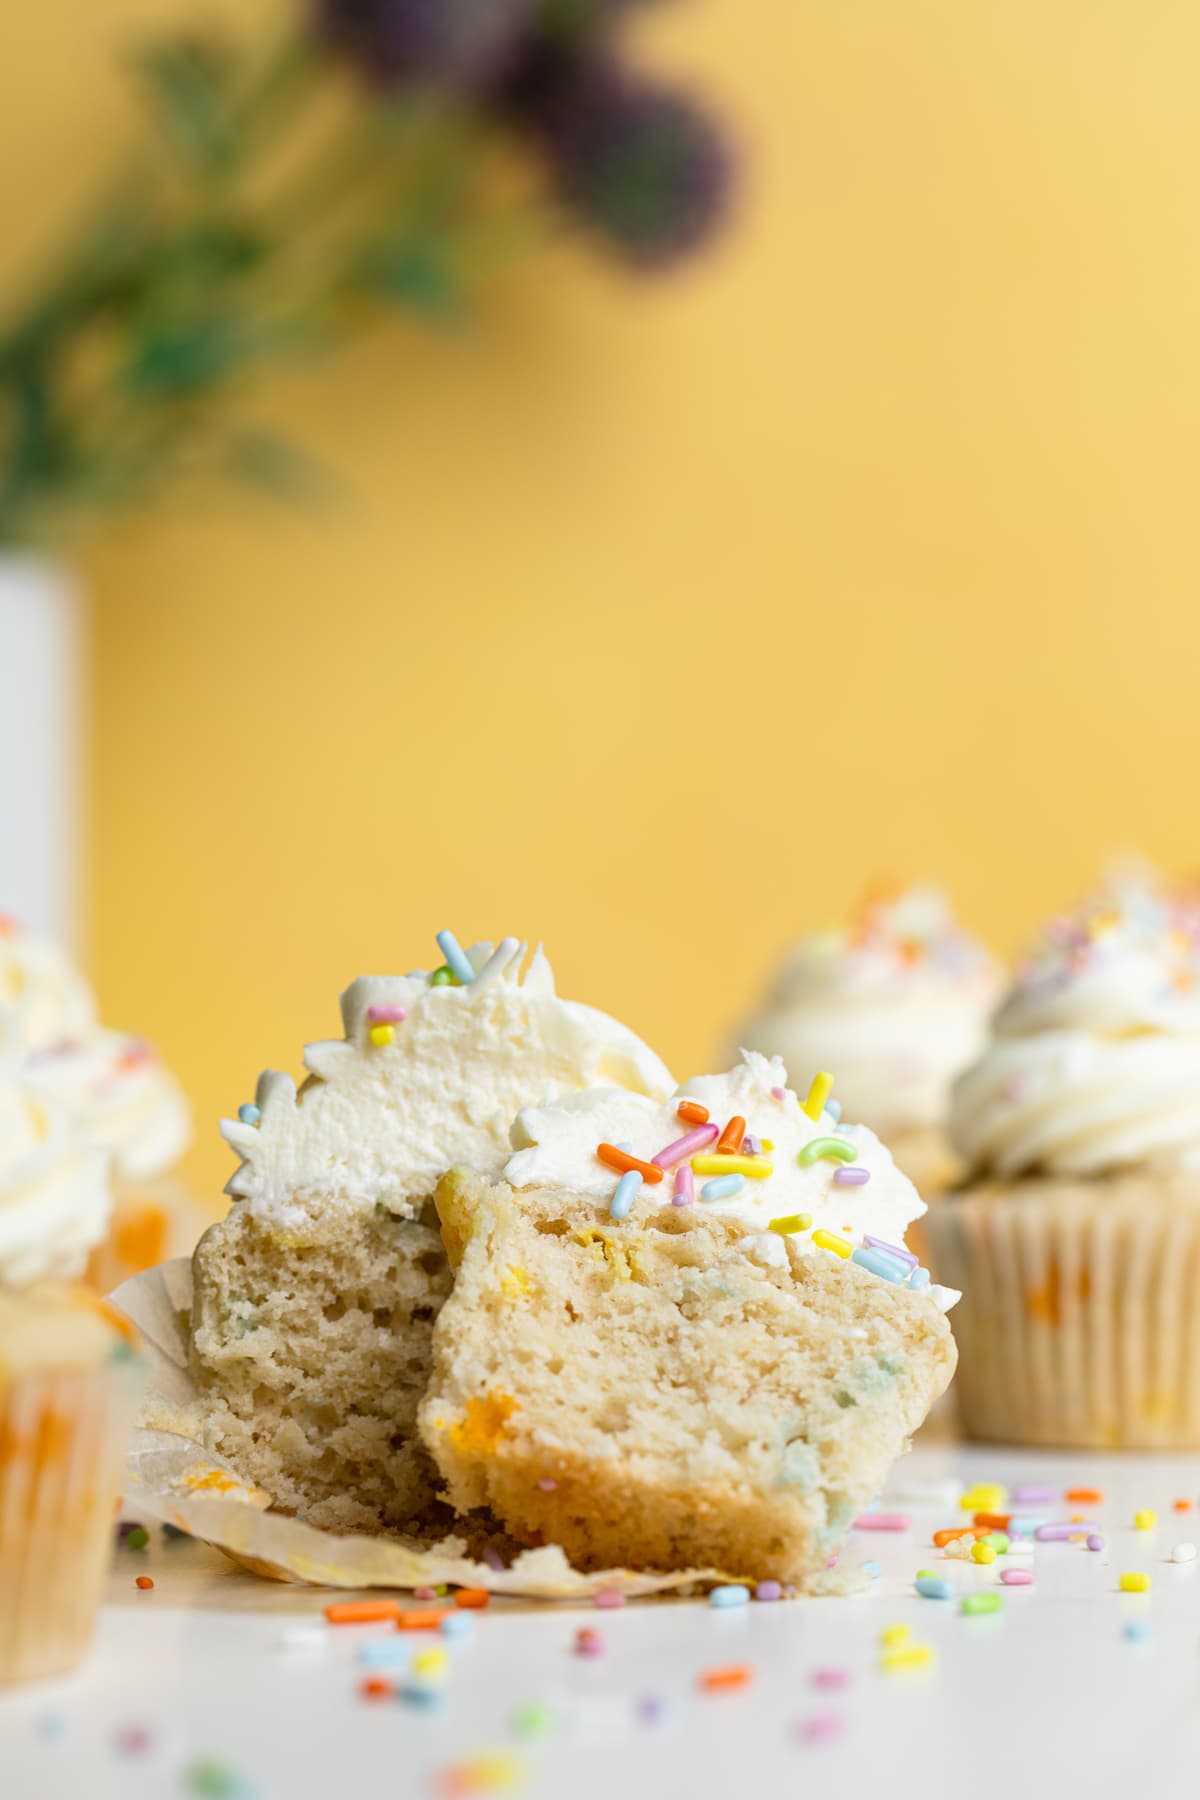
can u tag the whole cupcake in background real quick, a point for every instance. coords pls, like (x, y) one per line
(69, 1380)
(118, 1090)
(1077, 1239)
(897, 1001)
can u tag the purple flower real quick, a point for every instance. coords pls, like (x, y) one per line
(449, 43)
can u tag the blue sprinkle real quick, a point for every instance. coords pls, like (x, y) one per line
(722, 1187)
(51, 1727)
(919, 1279)
(249, 1115)
(621, 1204)
(834, 1109)
(878, 1262)
(732, 1594)
(457, 1624)
(383, 1653)
(935, 1587)
(1024, 1527)
(457, 960)
(1136, 1631)
(870, 1568)
(424, 1696)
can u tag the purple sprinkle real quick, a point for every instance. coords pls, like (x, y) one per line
(854, 1176)
(650, 1709)
(386, 1015)
(608, 1598)
(779, 1093)
(493, 1559)
(1034, 1495)
(133, 1740)
(768, 1590)
(821, 1728)
(1095, 1541)
(1055, 1534)
(751, 1146)
(896, 1250)
(547, 1484)
(125, 1526)
(831, 1679)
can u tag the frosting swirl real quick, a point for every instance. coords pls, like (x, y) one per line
(818, 1176)
(896, 1001)
(1094, 1063)
(123, 1097)
(54, 1193)
(430, 1073)
(42, 993)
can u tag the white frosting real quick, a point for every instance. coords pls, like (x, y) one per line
(555, 1146)
(381, 1124)
(123, 1097)
(897, 1003)
(42, 994)
(54, 1194)
(1095, 1058)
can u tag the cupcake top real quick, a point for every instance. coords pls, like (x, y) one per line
(1094, 1063)
(897, 1001)
(57, 1325)
(741, 1143)
(54, 1191)
(123, 1096)
(42, 993)
(431, 1072)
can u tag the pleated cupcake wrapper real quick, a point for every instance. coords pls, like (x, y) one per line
(171, 1477)
(62, 1441)
(1078, 1325)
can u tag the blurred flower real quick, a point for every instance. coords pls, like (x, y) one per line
(451, 43)
(640, 162)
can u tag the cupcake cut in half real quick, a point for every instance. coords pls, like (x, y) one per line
(315, 1298)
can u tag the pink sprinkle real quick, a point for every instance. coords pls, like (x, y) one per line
(588, 1642)
(779, 1093)
(831, 1562)
(685, 1187)
(686, 1146)
(831, 1679)
(547, 1484)
(883, 1522)
(608, 1598)
(1017, 1577)
(821, 1728)
(1014, 1087)
(386, 1015)
(425, 1593)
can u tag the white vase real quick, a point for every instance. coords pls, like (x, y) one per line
(42, 626)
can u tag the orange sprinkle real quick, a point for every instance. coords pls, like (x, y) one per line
(472, 1597)
(1085, 1496)
(692, 1113)
(145, 1582)
(362, 1612)
(376, 1687)
(947, 1536)
(730, 1140)
(1183, 1506)
(428, 1619)
(991, 1521)
(726, 1678)
(612, 1158)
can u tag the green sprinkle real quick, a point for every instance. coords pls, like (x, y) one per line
(138, 1538)
(981, 1603)
(534, 1720)
(998, 1540)
(443, 977)
(926, 1575)
(213, 1780)
(822, 1148)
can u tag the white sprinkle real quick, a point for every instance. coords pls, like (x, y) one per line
(307, 1640)
(1184, 1553)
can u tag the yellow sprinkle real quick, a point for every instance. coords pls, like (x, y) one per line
(913, 1656)
(430, 1662)
(1145, 1521)
(381, 1035)
(893, 1636)
(983, 1553)
(818, 1094)
(1134, 1582)
(985, 1496)
(826, 1240)
(756, 1167)
(767, 1143)
(515, 1281)
(791, 1222)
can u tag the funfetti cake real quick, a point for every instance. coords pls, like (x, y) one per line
(315, 1297)
(684, 1334)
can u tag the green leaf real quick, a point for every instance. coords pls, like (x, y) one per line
(276, 467)
(189, 80)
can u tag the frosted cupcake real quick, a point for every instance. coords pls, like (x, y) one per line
(315, 1298)
(685, 1333)
(1078, 1237)
(117, 1089)
(897, 1002)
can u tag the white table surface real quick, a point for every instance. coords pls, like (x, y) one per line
(1048, 1698)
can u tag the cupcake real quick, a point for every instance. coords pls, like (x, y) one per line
(1077, 1237)
(69, 1379)
(115, 1087)
(898, 1002)
(315, 1298)
(683, 1333)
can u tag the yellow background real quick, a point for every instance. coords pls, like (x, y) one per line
(662, 615)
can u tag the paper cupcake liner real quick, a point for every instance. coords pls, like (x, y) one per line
(62, 1438)
(172, 1478)
(151, 1222)
(1078, 1327)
